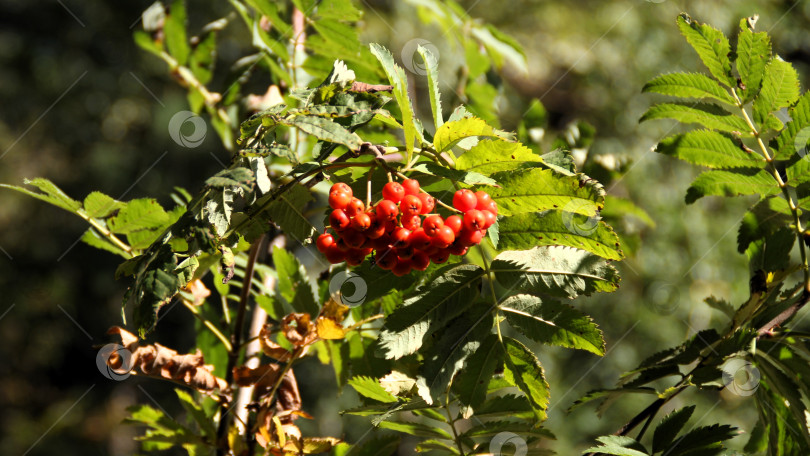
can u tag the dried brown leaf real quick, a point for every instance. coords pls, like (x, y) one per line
(162, 362)
(264, 376)
(198, 291)
(299, 329)
(288, 398)
(270, 347)
(372, 88)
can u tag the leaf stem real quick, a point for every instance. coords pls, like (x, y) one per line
(364, 321)
(208, 325)
(368, 187)
(185, 74)
(452, 422)
(295, 355)
(225, 310)
(236, 335)
(106, 233)
(280, 190)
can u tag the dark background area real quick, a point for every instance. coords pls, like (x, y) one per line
(81, 105)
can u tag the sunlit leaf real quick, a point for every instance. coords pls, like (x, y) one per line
(554, 271)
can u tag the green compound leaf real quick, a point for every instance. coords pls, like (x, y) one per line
(610, 393)
(293, 284)
(432, 73)
(765, 218)
(325, 130)
(493, 155)
(555, 271)
(144, 41)
(460, 339)
(753, 53)
(618, 446)
(670, 427)
(203, 57)
(799, 172)
(506, 406)
(795, 136)
(175, 32)
(99, 205)
(93, 239)
(703, 440)
(688, 85)
(524, 429)
(709, 115)
(286, 211)
(232, 177)
(163, 432)
(540, 189)
(380, 446)
(711, 46)
(196, 412)
(448, 295)
(732, 183)
(397, 78)
(453, 132)
(522, 369)
(710, 149)
(139, 214)
(465, 177)
(501, 47)
(472, 382)
(552, 322)
(156, 284)
(417, 429)
(555, 227)
(372, 389)
(780, 89)
(50, 194)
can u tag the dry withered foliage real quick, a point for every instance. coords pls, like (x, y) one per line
(372, 88)
(299, 329)
(276, 410)
(275, 430)
(270, 347)
(261, 377)
(274, 423)
(162, 362)
(198, 291)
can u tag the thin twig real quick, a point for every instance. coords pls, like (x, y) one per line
(785, 315)
(106, 233)
(236, 335)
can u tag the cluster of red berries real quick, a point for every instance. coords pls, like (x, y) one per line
(395, 230)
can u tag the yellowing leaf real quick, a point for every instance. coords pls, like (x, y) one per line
(334, 310)
(329, 329)
(282, 438)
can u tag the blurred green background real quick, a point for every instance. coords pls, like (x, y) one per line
(81, 105)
